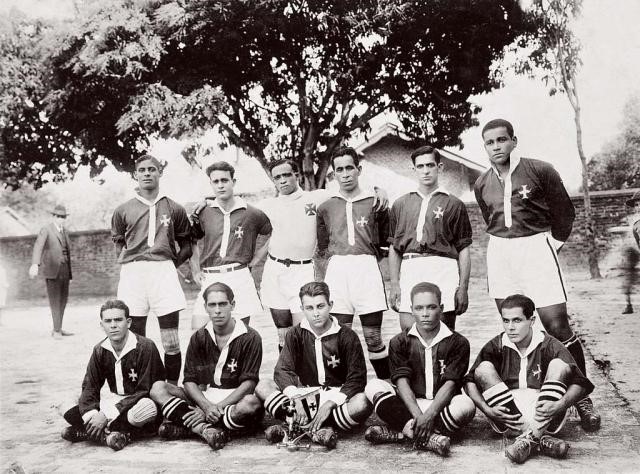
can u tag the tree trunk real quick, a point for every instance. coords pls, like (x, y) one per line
(590, 236)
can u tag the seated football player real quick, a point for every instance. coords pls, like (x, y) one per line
(524, 380)
(130, 364)
(319, 356)
(428, 362)
(220, 373)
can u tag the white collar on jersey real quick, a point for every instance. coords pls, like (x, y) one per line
(536, 340)
(297, 194)
(130, 345)
(443, 333)
(238, 331)
(439, 189)
(359, 197)
(335, 327)
(239, 203)
(147, 202)
(514, 161)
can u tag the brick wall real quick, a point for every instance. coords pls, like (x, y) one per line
(95, 271)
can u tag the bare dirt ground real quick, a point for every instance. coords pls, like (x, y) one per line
(39, 376)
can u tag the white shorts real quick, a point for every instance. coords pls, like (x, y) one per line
(356, 284)
(216, 395)
(525, 265)
(525, 399)
(151, 287)
(244, 291)
(331, 394)
(441, 271)
(281, 285)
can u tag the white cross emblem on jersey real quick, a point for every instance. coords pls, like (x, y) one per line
(442, 366)
(536, 373)
(232, 365)
(132, 375)
(362, 221)
(333, 362)
(438, 213)
(524, 192)
(164, 220)
(239, 232)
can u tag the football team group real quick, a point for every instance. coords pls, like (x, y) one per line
(523, 380)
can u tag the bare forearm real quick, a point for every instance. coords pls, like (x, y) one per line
(408, 397)
(443, 397)
(245, 388)
(474, 394)
(195, 395)
(395, 259)
(464, 267)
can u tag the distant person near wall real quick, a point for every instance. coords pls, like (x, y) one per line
(630, 253)
(52, 260)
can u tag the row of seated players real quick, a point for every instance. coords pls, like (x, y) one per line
(523, 380)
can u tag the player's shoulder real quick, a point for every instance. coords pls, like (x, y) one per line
(176, 206)
(458, 339)
(401, 338)
(251, 334)
(125, 205)
(144, 342)
(404, 199)
(482, 179)
(537, 165)
(255, 211)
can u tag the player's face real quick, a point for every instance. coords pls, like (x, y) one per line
(427, 169)
(426, 311)
(219, 308)
(516, 325)
(115, 324)
(318, 312)
(222, 184)
(347, 173)
(148, 175)
(499, 145)
(285, 179)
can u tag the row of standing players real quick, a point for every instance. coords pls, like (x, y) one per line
(528, 214)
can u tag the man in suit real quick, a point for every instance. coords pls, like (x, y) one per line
(52, 260)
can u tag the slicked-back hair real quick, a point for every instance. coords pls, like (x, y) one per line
(221, 166)
(315, 288)
(151, 158)
(284, 161)
(426, 150)
(426, 287)
(345, 151)
(115, 304)
(519, 301)
(497, 123)
(221, 288)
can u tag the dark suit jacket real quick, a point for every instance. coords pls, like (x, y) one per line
(47, 251)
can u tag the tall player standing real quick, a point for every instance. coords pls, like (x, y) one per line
(146, 230)
(529, 216)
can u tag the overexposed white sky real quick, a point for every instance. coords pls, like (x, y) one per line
(608, 30)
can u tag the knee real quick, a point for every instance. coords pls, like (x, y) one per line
(558, 370)
(249, 405)
(142, 412)
(375, 387)
(158, 391)
(463, 409)
(486, 374)
(359, 406)
(265, 388)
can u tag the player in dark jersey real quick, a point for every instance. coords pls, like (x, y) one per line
(428, 362)
(220, 374)
(429, 237)
(130, 364)
(146, 230)
(350, 234)
(319, 356)
(529, 216)
(525, 380)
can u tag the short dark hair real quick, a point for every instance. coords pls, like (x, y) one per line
(426, 287)
(146, 157)
(519, 301)
(315, 288)
(218, 287)
(497, 123)
(115, 304)
(220, 166)
(284, 161)
(426, 150)
(345, 151)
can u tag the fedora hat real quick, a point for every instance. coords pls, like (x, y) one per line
(634, 199)
(59, 210)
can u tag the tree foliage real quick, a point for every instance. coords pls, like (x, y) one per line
(277, 78)
(617, 165)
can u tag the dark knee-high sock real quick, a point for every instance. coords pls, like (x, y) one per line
(392, 410)
(172, 364)
(73, 417)
(175, 408)
(277, 405)
(574, 346)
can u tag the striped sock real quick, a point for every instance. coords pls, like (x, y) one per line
(379, 359)
(342, 419)
(500, 395)
(553, 390)
(229, 422)
(175, 408)
(276, 405)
